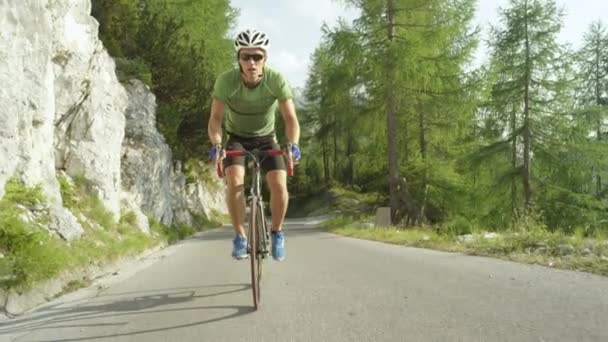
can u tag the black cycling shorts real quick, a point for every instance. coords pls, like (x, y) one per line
(269, 163)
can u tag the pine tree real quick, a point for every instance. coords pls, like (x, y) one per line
(593, 95)
(525, 56)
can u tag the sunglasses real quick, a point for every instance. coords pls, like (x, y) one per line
(246, 57)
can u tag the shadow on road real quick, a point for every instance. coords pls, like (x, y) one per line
(125, 305)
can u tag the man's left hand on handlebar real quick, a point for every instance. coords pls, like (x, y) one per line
(294, 149)
(216, 153)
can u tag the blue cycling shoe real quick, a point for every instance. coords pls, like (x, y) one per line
(239, 247)
(278, 246)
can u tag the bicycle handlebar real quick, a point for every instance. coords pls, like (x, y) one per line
(259, 154)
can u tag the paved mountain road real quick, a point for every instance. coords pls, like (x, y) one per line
(330, 288)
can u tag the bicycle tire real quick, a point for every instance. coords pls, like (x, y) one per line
(261, 243)
(253, 252)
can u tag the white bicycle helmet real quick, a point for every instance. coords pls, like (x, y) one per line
(251, 39)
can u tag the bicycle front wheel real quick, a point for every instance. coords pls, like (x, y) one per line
(253, 251)
(262, 242)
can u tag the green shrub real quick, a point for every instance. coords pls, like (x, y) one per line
(137, 68)
(128, 218)
(197, 170)
(29, 254)
(337, 222)
(80, 199)
(457, 226)
(18, 193)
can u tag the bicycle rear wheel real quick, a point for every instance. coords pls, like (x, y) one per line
(253, 251)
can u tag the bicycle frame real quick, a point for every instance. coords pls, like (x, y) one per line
(255, 191)
(259, 236)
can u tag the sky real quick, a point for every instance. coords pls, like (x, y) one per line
(294, 26)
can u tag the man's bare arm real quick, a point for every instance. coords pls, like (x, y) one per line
(292, 126)
(215, 122)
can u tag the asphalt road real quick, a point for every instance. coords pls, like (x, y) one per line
(329, 288)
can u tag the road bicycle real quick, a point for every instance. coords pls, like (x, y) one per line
(258, 235)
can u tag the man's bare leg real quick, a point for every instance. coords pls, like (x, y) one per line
(235, 197)
(279, 197)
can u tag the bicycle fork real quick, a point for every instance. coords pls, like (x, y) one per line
(263, 240)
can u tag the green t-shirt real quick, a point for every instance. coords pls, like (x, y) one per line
(250, 112)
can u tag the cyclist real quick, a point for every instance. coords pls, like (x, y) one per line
(245, 100)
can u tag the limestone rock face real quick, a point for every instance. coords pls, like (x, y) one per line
(146, 157)
(64, 113)
(63, 106)
(157, 184)
(62, 109)
(89, 102)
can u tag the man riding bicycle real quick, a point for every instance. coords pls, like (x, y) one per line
(247, 97)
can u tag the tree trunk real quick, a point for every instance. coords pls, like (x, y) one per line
(526, 128)
(350, 165)
(325, 161)
(598, 101)
(598, 178)
(336, 176)
(422, 137)
(513, 166)
(423, 154)
(391, 115)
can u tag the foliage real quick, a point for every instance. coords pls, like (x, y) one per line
(29, 253)
(346, 100)
(176, 47)
(202, 172)
(522, 136)
(18, 193)
(175, 233)
(531, 244)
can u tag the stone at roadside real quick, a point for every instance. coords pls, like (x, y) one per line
(383, 217)
(490, 236)
(65, 223)
(466, 238)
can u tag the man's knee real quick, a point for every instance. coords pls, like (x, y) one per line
(235, 189)
(277, 182)
(235, 179)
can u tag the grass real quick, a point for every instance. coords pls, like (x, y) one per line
(180, 232)
(334, 200)
(197, 170)
(25, 247)
(30, 254)
(74, 285)
(535, 245)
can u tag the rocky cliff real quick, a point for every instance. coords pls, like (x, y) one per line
(62, 109)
